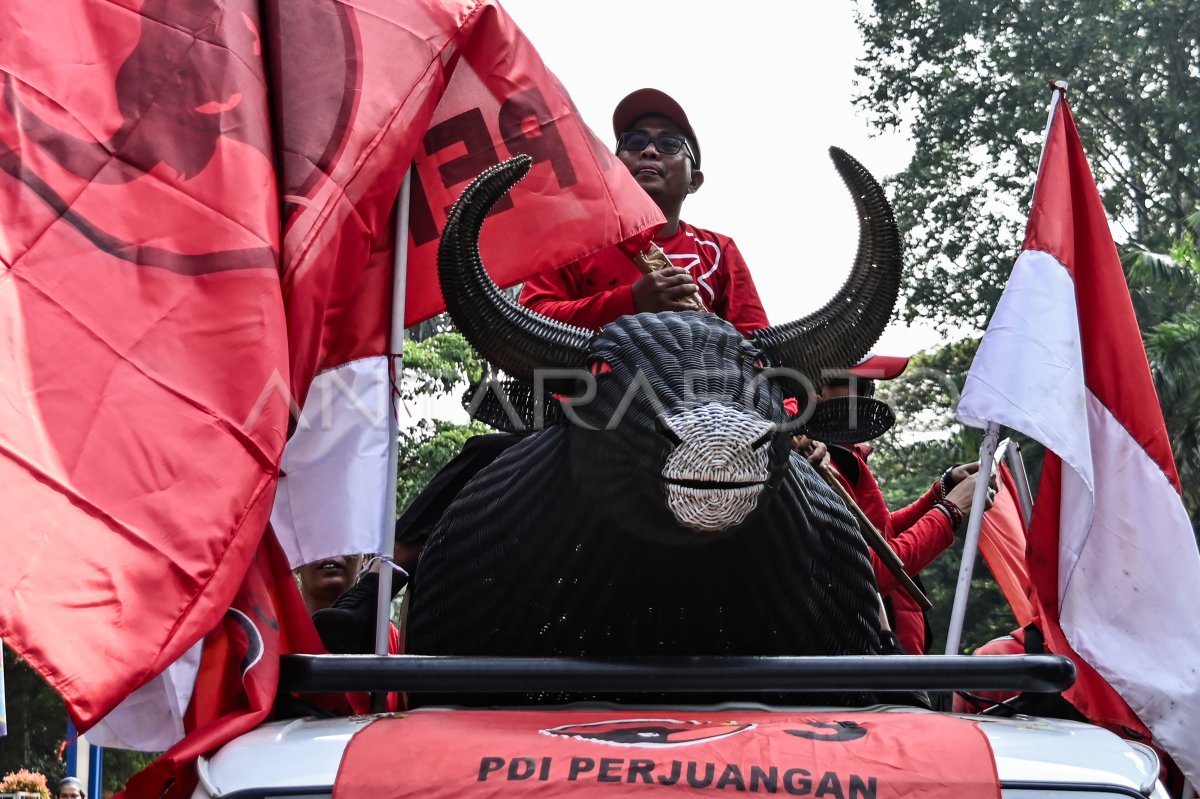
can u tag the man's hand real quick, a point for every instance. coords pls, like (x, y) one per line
(668, 289)
(814, 452)
(963, 494)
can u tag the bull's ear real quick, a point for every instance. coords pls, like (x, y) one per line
(511, 336)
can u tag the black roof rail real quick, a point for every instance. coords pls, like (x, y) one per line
(424, 673)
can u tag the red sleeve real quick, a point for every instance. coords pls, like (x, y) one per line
(906, 517)
(556, 294)
(739, 303)
(917, 546)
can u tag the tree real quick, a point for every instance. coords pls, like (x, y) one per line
(1166, 293)
(37, 727)
(437, 361)
(969, 77)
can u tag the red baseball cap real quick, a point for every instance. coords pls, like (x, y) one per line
(652, 101)
(879, 367)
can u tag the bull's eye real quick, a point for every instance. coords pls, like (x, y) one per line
(599, 367)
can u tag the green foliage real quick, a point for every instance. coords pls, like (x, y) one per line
(37, 722)
(970, 79)
(1166, 292)
(424, 449)
(435, 365)
(437, 361)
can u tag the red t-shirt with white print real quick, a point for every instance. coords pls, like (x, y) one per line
(597, 289)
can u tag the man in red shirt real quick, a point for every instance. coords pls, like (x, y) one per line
(656, 143)
(917, 533)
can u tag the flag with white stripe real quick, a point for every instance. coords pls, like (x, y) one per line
(1112, 554)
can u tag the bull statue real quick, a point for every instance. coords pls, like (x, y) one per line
(665, 514)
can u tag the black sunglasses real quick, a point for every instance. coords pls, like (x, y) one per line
(665, 143)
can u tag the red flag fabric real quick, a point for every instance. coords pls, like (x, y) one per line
(501, 101)
(1002, 543)
(196, 199)
(480, 753)
(238, 672)
(1113, 560)
(452, 88)
(140, 317)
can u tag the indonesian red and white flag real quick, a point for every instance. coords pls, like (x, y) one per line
(1112, 555)
(451, 88)
(196, 236)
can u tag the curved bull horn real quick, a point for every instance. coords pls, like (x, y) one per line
(841, 333)
(509, 335)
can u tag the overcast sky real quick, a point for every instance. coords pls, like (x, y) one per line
(767, 86)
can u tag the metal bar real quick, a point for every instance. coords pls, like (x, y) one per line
(383, 603)
(420, 673)
(1016, 467)
(971, 545)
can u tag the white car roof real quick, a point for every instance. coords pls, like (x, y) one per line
(1033, 756)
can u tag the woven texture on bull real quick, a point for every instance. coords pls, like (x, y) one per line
(570, 542)
(664, 366)
(520, 567)
(566, 545)
(516, 341)
(848, 420)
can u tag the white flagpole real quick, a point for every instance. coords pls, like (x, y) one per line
(1016, 465)
(383, 607)
(987, 454)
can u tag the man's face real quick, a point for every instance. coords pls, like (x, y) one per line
(668, 179)
(323, 581)
(69, 792)
(833, 391)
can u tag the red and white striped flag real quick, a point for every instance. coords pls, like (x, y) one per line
(1112, 554)
(196, 238)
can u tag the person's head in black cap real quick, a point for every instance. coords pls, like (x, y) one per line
(657, 144)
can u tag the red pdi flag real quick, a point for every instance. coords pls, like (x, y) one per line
(155, 327)
(501, 101)
(438, 754)
(453, 88)
(1112, 556)
(238, 671)
(140, 318)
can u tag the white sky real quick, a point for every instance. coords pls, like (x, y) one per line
(767, 86)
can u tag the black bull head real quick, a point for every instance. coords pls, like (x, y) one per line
(670, 516)
(675, 405)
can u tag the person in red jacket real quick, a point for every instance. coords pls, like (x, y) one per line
(919, 532)
(657, 144)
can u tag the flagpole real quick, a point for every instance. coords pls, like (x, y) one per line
(1016, 466)
(383, 607)
(987, 453)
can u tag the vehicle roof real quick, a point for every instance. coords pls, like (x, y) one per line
(1031, 753)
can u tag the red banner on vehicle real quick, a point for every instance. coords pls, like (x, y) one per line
(851, 755)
